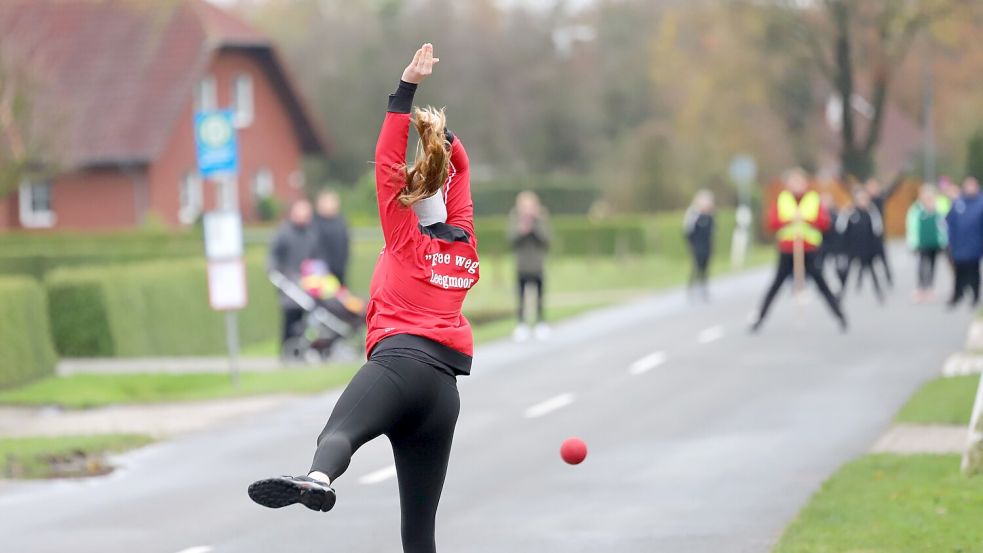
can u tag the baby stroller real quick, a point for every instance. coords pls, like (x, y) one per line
(331, 314)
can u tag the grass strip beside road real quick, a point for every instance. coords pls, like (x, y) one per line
(942, 401)
(890, 504)
(49, 457)
(90, 390)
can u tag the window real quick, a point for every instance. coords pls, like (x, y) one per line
(206, 94)
(242, 100)
(35, 205)
(263, 185)
(190, 198)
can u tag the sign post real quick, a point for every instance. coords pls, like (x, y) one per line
(743, 171)
(218, 158)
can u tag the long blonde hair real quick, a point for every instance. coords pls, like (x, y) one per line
(430, 166)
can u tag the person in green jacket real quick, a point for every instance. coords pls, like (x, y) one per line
(927, 237)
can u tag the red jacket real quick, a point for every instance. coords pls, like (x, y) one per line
(421, 279)
(821, 224)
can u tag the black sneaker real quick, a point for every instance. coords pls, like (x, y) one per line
(287, 490)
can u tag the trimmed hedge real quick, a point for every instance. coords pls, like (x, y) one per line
(149, 309)
(656, 234)
(37, 254)
(26, 350)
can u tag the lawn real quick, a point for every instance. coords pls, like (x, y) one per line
(942, 401)
(62, 456)
(892, 504)
(88, 390)
(574, 285)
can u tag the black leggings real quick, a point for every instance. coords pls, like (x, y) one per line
(526, 280)
(926, 268)
(699, 277)
(416, 406)
(967, 275)
(866, 266)
(786, 268)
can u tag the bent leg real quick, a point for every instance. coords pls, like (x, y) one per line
(370, 406)
(820, 280)
(782, 273)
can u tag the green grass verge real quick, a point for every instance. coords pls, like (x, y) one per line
(88, 390)
(942, 401)
(49, 457)
(892, 504)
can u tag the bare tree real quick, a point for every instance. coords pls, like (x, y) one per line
(857, 44)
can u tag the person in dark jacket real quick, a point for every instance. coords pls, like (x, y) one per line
(294, 242)
(878, 198)
(698, 227)
(529, 234)
(332, 235)
(861, 229)
(965, 225)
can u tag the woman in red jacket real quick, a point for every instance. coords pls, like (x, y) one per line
(418, 340)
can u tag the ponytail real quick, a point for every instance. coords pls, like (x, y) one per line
(429, 170)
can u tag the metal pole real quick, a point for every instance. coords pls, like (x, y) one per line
(232, 337)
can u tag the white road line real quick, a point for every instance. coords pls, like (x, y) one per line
(711, 334)
(198, 549)
(647, 363)
(378, 476)
(549, 405)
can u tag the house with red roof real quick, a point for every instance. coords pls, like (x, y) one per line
(115, 85)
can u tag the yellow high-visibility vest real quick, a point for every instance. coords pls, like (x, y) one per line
(808, 208)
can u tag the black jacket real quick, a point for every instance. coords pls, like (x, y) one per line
(698, 228)
(333, 244)
(861, 232)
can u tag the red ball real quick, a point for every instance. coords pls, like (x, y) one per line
(573, 451)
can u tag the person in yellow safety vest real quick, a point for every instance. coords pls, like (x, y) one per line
(798, 219)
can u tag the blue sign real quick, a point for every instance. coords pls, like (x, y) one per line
(215, 138)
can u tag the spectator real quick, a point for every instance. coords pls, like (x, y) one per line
(862, 232)
(698, 226)
(529, 234)
(333, 243)
(294, 242)
(878, 197)
(926, 233)
(965, 226)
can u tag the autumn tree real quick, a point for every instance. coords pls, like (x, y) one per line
(858, 46)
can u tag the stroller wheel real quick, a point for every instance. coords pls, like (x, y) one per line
(295, 350)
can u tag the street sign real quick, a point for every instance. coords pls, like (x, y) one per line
(223, 235)
(227, 285)
(215, 139)
(743, 170)
(226, 272)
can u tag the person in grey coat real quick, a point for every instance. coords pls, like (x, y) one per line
(295, 241)
(529, 234)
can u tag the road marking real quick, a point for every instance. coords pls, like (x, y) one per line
(198, 549)
(647, 363)
(378, 476)
(711, 334)
(549, 406)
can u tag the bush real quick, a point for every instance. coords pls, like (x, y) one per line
(655, 234)
(26, 351)
(149, 309)
(37, 254)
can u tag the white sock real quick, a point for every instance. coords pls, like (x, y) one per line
(320, 477)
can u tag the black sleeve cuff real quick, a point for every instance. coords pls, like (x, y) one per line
(449, 136)
(401, 101)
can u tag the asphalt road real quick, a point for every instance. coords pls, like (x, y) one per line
(702, 439)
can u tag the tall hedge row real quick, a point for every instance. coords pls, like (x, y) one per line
(658, 234)
(26, 350)
(149, 309)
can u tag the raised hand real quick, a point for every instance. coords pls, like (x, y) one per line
(422, 65)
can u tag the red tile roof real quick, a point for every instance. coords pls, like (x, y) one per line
(118, 73)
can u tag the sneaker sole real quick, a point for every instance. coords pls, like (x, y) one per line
(280, 492)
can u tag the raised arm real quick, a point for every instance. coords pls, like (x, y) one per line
(399, 222)
(460, 208)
